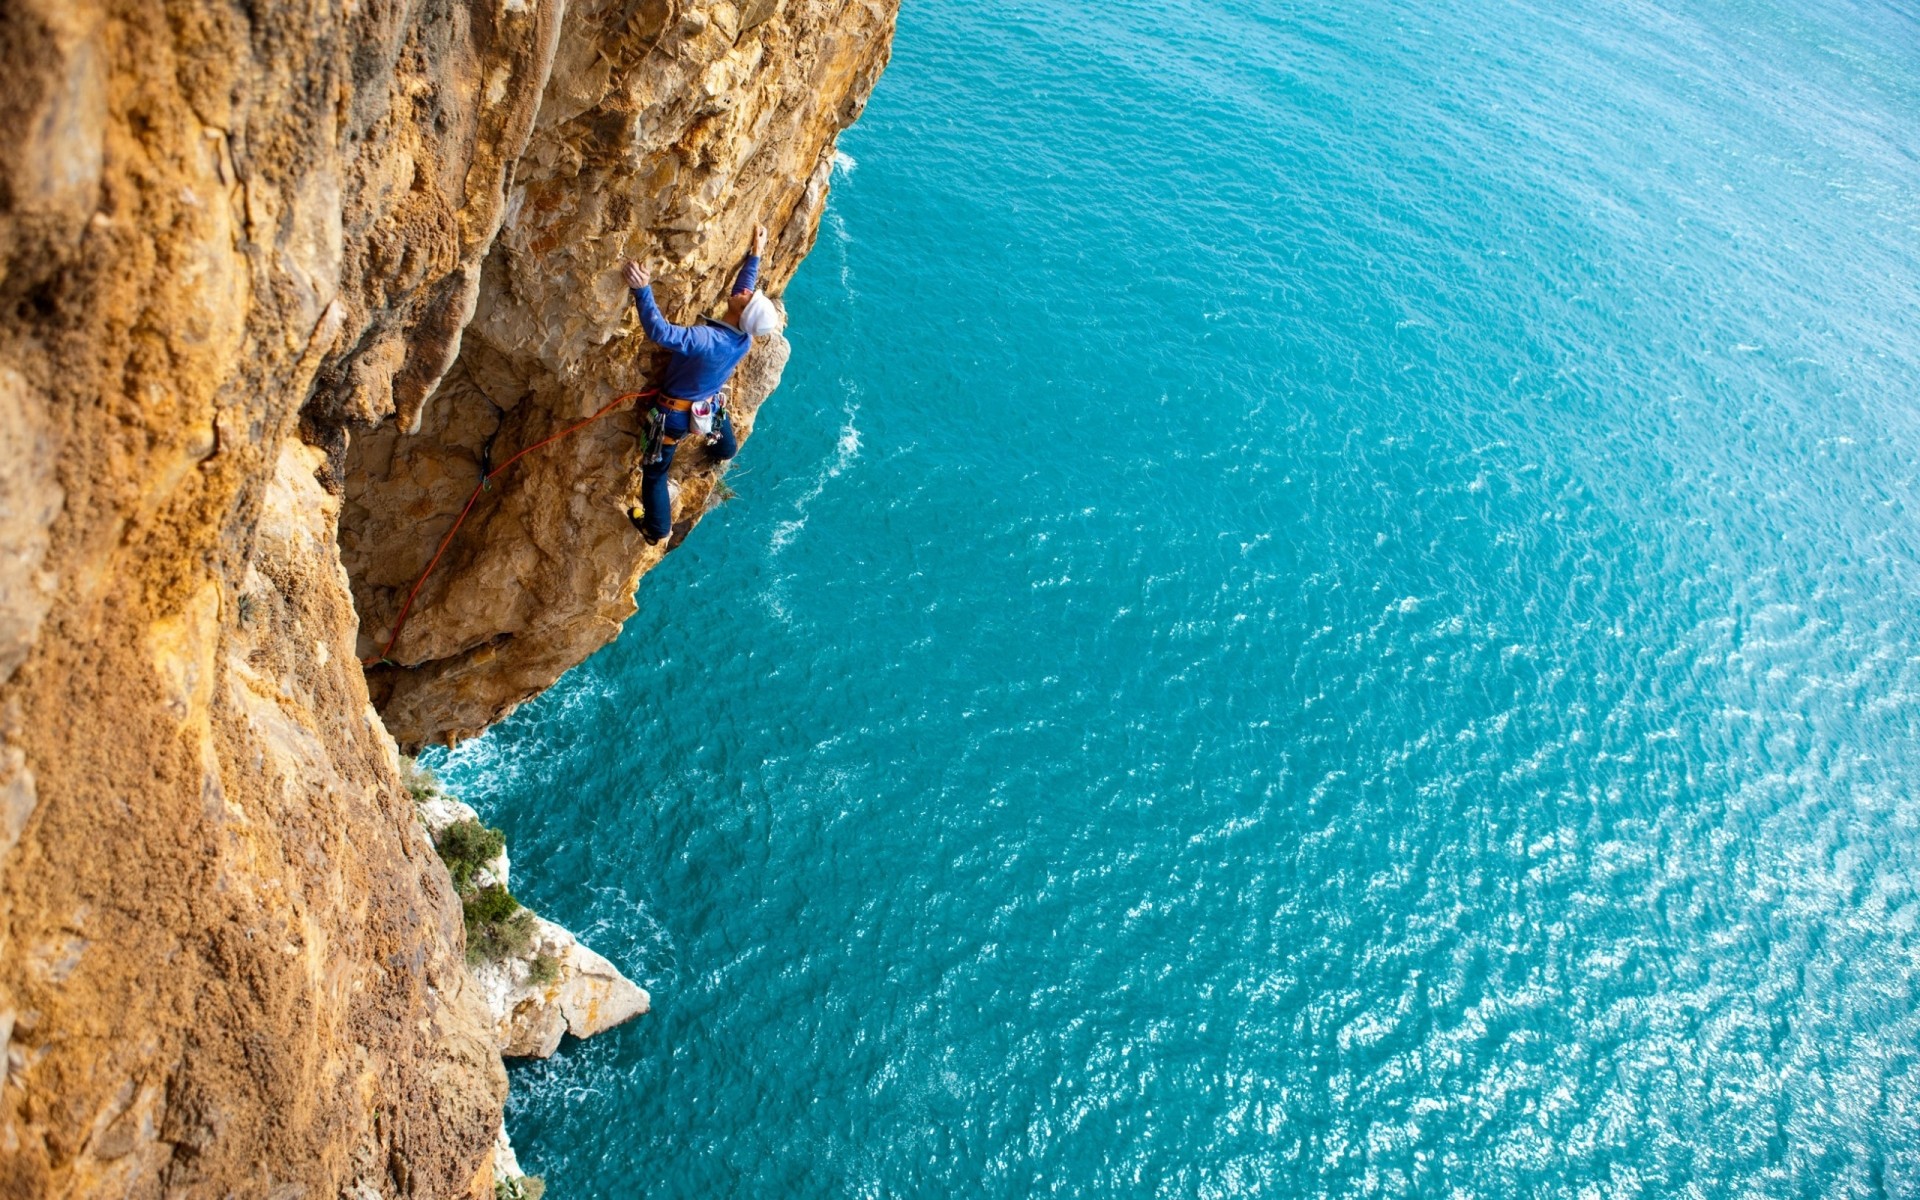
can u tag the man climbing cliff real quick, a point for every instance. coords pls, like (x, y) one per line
(690, 399)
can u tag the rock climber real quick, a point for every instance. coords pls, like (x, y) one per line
(690, 398)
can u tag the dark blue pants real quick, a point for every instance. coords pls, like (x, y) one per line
(654, 496)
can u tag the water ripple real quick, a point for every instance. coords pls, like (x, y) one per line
(1361, 643)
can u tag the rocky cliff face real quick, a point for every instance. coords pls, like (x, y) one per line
(273, 277)
(666, 133)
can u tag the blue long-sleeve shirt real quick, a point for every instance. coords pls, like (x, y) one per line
(704, 355)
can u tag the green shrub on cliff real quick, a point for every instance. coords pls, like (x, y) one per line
(497, 927)
(466, 846)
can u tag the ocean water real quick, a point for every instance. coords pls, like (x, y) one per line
(1330, 607)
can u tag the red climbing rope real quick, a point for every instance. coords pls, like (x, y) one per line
(485, 480)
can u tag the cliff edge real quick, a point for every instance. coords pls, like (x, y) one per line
(276, 279)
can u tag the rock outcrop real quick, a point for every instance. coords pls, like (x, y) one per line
(587, 994)
(270, 274)
(554, 985)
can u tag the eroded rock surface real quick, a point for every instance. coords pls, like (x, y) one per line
(231, 235)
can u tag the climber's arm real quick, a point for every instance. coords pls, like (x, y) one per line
(750, 270)
(659, 330)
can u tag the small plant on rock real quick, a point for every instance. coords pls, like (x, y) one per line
(543, 970)
(422, 784)
(522, 1187)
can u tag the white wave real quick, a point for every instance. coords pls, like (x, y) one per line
(841, 238)
(776, 602)
(846, 449)
(844, 163)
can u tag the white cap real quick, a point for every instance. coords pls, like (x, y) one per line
(761, 317)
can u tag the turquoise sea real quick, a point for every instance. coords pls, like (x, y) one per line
(1330, 607)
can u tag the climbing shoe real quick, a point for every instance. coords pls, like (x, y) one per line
(637, 517)
(637, 514)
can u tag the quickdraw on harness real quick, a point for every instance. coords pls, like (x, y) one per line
(486, 481)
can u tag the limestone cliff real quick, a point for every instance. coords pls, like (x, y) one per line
(273, 276)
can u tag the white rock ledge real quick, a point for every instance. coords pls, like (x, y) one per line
(586, 995)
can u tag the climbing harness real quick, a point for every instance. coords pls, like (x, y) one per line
(486, 480)
(701, 416)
